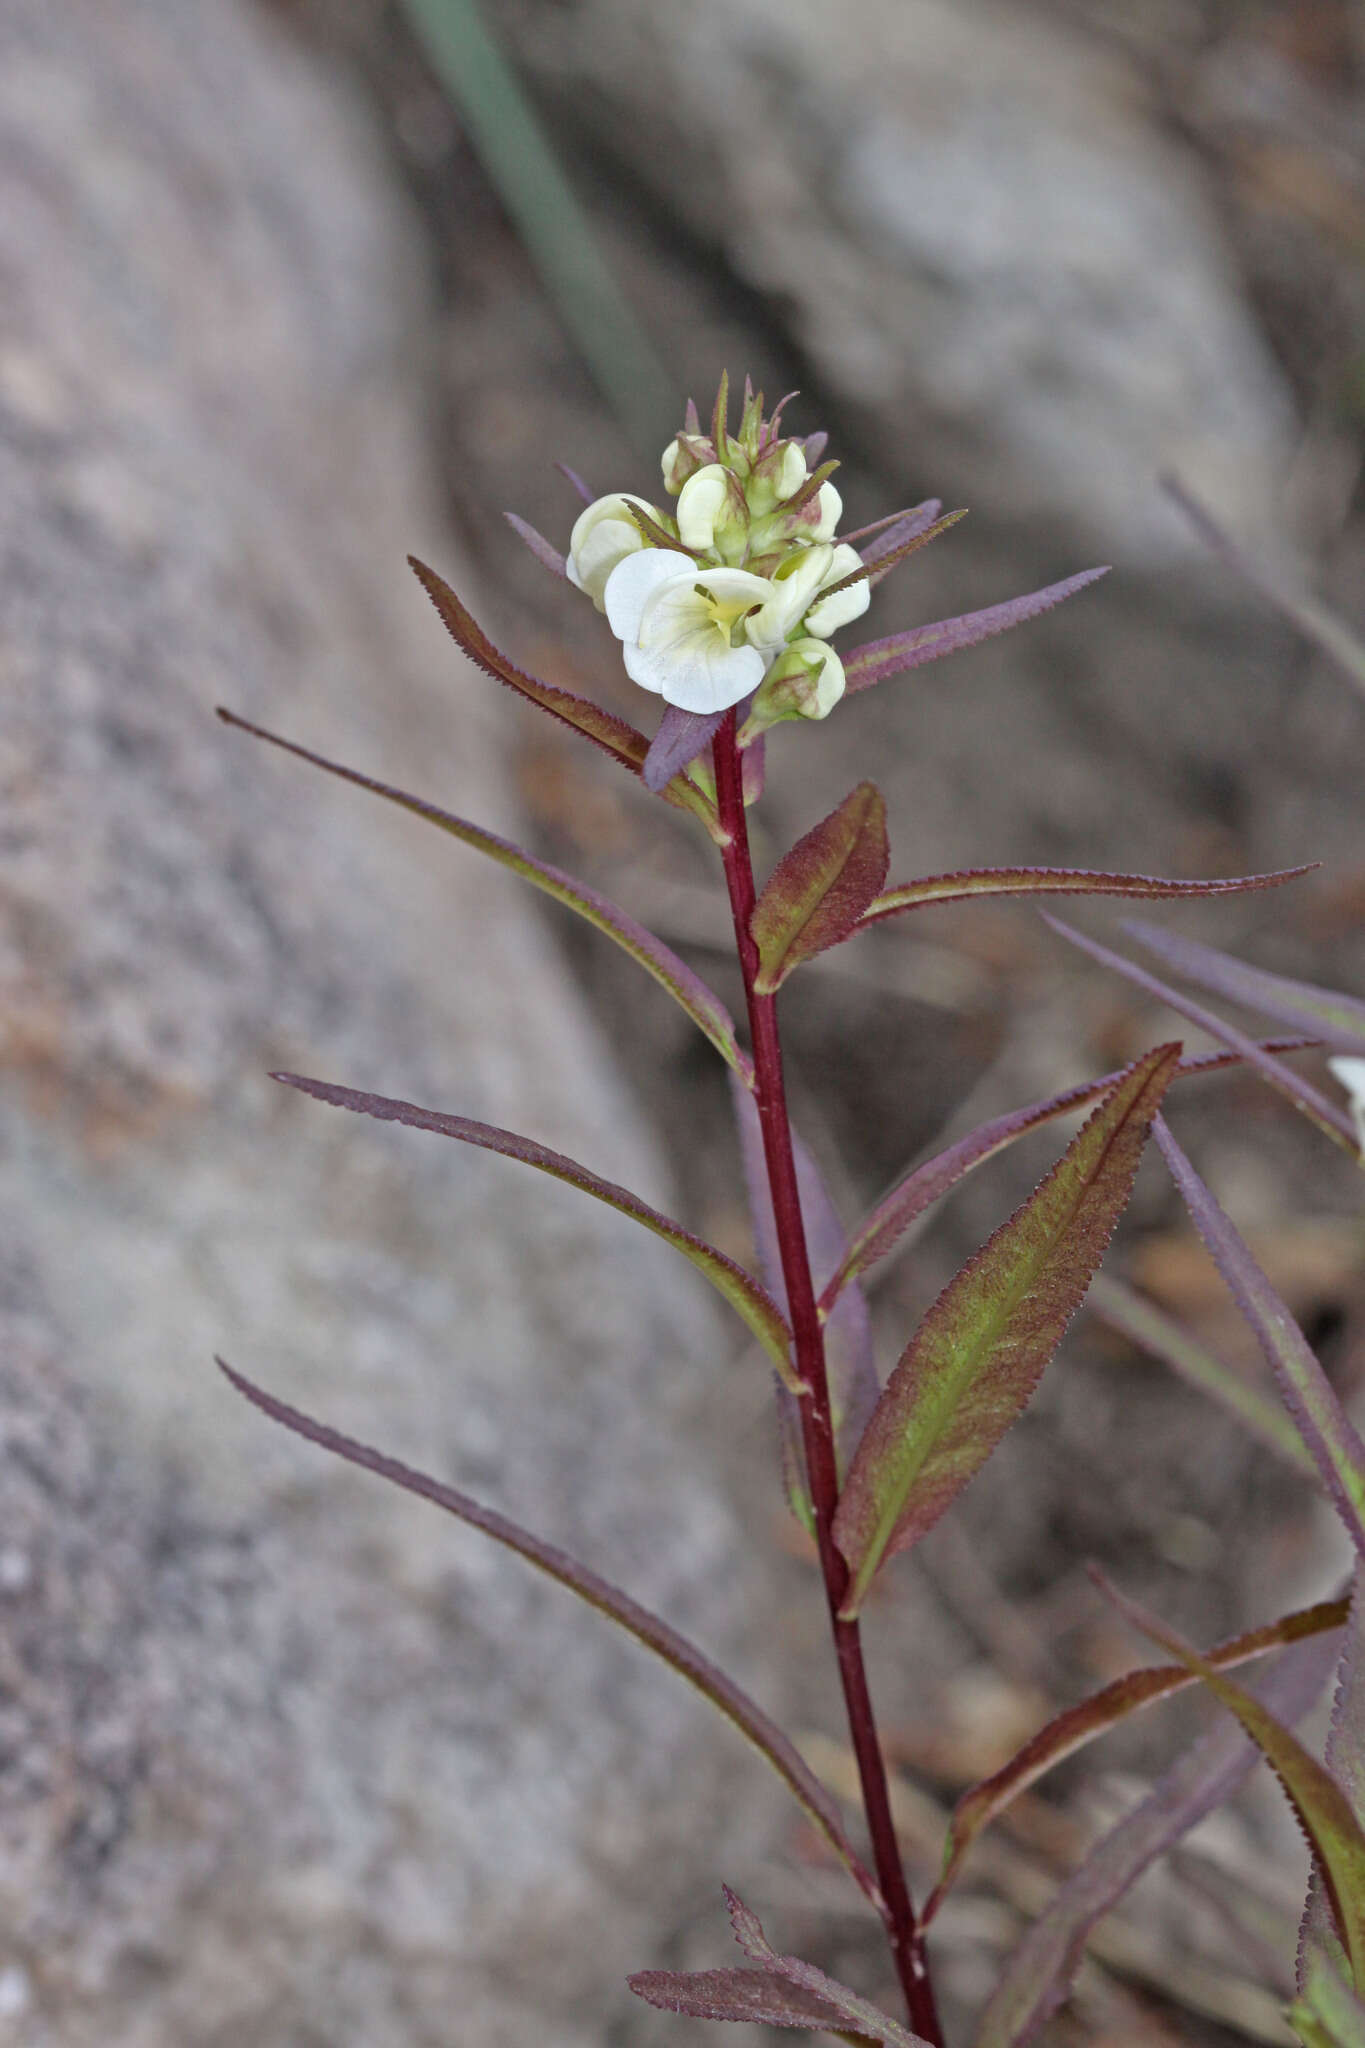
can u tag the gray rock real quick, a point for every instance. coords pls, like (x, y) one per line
(285, 1758)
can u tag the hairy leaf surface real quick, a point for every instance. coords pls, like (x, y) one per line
(885, 535)
(680, 738)
(819, 890)
(545, 553)
(740, 1289)
(889, 555)
(968, 882)
(647, 1628)
(705, 1008)
(1345, 1759)
(1328, 1434)
(973, 1364)
(877, 660)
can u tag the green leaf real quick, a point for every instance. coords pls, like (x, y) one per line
(969, 882)
(1327, 2013)
(647, 1628)
(1324, 1813)
(739, 1288)
(817, 893)
(1153, 1331)
(973, 1364)
(1327, 1432)
(706, 1009)
(1344, 1757)
(1082, 1724)
(613, 735)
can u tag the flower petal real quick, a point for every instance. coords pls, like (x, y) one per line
(633, 582)
(700, 503)
(826, 616)
(713, 681)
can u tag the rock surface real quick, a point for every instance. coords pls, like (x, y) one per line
(286, 1759)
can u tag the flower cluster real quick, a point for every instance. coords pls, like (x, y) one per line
(737, 590)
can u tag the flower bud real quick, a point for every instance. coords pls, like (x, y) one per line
(682, 458)
(604, 534)
(777, 475)
(711, 511)
(806, 682)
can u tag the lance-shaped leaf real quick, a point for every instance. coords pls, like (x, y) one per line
(1326, 2013)
(972, 1366)
(877, 660)
(706, 1009)
(819, 890)
(849, 1359)
(1328, 1434)
(781, 1991)
(1345, 1759)
(1039, 1974)
(1310, 1100)
(545, 553)
(1336, 1020)
(680, 738)
(1062, 882)
(647, 1628)
(926, 1184)
(885, 535)
(739, 1288)
(1086, 1722)
(1123, 1309)
(613, 735)
(1324, 1813)
(889, 555)
(1302, 610)
(585, 492)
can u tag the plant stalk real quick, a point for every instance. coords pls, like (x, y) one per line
(817, 1426)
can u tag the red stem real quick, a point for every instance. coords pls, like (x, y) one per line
(817, 1428)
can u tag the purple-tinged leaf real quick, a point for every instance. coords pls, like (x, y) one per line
(691, 418)
(576, 480)
(888, 533)
(877, 660)
(815, 445)
(681, 736)
(1329, 1436)
(720, 418)
(1304, 1096)
(1093, 1717)
(1326, 2013)
(548, 556)
(968, 882)
(811, 488)
(753, 764)
(1337, 1020)
(888, 558)
(1331, 635)
(705, 1008)
(613, 735)
(1345, 1759)
(867, 2021)
(1121, 1308)
(972, 1366)
(1323, 1811)
(647, 1628)
(849, 1359)
(1039, 1974)
(926, 1184)
(750, 1301)
(819, 890)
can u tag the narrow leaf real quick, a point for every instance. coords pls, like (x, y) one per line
(1337, 1020)
(1064, 882)
(1345, 1759)
(849, 1360)
(1123, 1309)
(762, 1996)
(1328, 1434)
(877, 660)
(647, 1628)
(867, 2021)
(1311, 1101)
(889, 556)
(612, 734)
(1039, 1974)
(1104, 1710)
(687, 989)
(926, 1184)
(887, 533)
(547, 555)
(819, 890)
(739, 1288)
(1327, 2013)
(659, 536)
(1323, 1811)
(680, 738)
(1331, 635)
(576, 480)
(972, 1366)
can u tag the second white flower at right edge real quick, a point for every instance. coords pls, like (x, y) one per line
(1351, 1074)
(705, 638)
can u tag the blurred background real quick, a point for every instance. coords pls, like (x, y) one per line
(290, 288)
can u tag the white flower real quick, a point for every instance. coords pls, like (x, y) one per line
(1351, 1074)
(604, 534)
(702, 503)
(794, 584)
(829, 510)
(676, 624)
(830, 613)
(810, 676)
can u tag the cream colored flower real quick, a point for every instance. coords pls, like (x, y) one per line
(826, 616)
(795, 584)
(709, 499)
(604, 534)
(1351, 1074)
(681, 628)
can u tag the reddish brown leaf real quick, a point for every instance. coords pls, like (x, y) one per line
(1059, 882)
(819, 890)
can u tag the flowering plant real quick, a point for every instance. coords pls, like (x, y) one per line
(724, 607)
